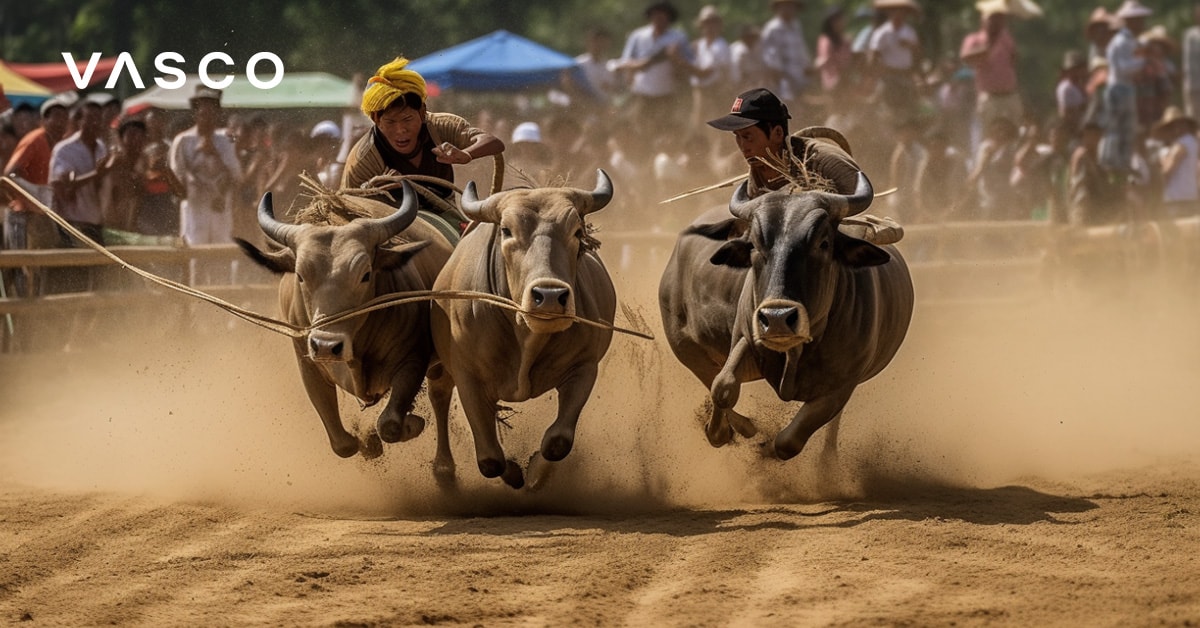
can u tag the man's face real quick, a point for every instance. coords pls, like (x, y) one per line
(401, 127)
(89, 121)
(754, 143)
(56, 121)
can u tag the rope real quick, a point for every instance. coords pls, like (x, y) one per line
(295, 331)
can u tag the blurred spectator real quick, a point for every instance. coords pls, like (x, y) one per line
(1040, 172)
(1099, 30)
(713, 65)
(893, 55)
(1125, 61)
(162, 192)
(1155, 84)
(990, 178)
(1070, 94)
(207, 164)
(8, 136)
(992, 54)
(941, 162)
(747, 67)
(868, 20)
(77, 166)
(25, 118)
(326, 140)
(1179, 159)
(122, 189)
(1094, 196)
(1191, 63)
(785, 52)
(25, 226)
(596, 64)
(834, 55)
(907, 155)
(529, 153)
(657, 58)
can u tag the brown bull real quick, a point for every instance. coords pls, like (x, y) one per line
(332, 268)
(531, 246)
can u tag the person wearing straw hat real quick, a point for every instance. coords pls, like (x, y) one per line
(1098, 31)
(407, 139)
(1179, 159)
(893, 55)
(1191, 63)
(992, 54)
(1125, 61)
(1155, 84)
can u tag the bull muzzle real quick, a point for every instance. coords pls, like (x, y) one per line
(329, 346)
(547, 305)
(781, 325)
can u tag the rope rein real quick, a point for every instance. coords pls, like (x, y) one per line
(295, 331)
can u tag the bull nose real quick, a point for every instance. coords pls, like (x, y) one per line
(328, 348)
(549, 296)
(778, 320)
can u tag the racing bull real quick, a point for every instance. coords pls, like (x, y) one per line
(332, 265)
(530, 246)
(775, 291)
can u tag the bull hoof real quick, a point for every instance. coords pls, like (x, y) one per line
(392, 430)
(783, 450)
(444, 475)
(718, 436)
(742, 425)
(555, 448)
(513, 476)
(347, 448)
(371, 447)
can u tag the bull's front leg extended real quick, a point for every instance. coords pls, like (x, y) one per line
(725, 391)
(441, 386)
(481, 415)
(573, 394)
(813, 415)
(397, 423)
(323, 396)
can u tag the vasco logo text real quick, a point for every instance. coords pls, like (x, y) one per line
(166, 63)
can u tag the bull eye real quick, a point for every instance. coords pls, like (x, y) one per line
(506, 232)
(366, 277)
(824, 245)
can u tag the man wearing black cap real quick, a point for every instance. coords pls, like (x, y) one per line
(759, 122)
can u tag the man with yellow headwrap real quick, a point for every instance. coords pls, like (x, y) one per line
(407, 139)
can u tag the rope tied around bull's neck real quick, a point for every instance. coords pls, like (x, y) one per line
(296, 331)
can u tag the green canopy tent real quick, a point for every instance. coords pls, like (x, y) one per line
(297, 90)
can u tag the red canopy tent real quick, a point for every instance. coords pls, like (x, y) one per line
(57, 76)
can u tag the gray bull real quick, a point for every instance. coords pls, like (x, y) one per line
(776, 292)
(328, 269)
(530, 246)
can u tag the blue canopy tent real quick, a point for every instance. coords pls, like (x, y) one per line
(498, 61)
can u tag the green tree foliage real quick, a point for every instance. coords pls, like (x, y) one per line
(353, 36)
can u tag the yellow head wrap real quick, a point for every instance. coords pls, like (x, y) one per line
(391, 81)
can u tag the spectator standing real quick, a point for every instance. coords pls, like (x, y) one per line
(1155, 84)
(713, 65)
(747, 68)
(942, 162)
(657, 57)
(834, 54)
(1094, 196)
(123, 187)
(1179, 159)
(207, 164)
(894, 51)
(1120, 96)
(991, 178)
(78, 164)
(595, 63)
(1191, 63)
(1100, 28)
(785, 52)
(992, 54)
(1070, 94)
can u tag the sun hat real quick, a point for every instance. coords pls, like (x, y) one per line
(750, 108)
(708, 13)
(326, 128)
(1133, 9)
(898, 4)
(527, 132)
(1173, 114)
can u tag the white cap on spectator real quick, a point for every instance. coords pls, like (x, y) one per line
(326, 128)
(527, 132)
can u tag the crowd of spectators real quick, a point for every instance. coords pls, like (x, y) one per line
(954, 135)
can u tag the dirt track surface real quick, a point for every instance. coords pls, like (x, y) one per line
(1029, 465)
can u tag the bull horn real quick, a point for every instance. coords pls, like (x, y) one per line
(858, 202)
(474, 208)
(385, 228)
(281, 232)
(602, 195)
(738, 203)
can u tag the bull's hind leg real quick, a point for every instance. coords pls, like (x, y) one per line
(397, 423)
(813, 415)
(441, 386)
(481, 415)
(323, 396)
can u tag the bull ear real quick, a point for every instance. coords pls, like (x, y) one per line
(858, 253)
(720, 230)
(392, 257)
(735, 253)
(279, 261)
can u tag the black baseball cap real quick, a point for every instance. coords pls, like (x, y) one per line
(750, 108)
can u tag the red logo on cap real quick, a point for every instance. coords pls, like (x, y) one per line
(737, 106)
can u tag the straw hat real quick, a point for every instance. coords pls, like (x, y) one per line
(1133, 9)
(1172, 115)
(708, 13)
(898, 4)
(1073, 59)
(1158, 33)
(1023, 9)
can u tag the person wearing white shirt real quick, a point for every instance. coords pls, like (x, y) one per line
(1191, 64)
(713, 65)
(785, 51)
(892, 56)
(657, 56)
(1179, 159)
(1120, 95)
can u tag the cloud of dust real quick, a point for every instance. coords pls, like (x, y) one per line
(1064, 384)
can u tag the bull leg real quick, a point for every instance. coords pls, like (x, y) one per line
(481, 415)
(323, 396)
(572, 395)
(440, 389)
(396, 423)
(725, 391)
(813, 415)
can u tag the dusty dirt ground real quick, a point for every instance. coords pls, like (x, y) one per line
(1019, 464)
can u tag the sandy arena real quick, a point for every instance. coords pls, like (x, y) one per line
(1028, 464)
